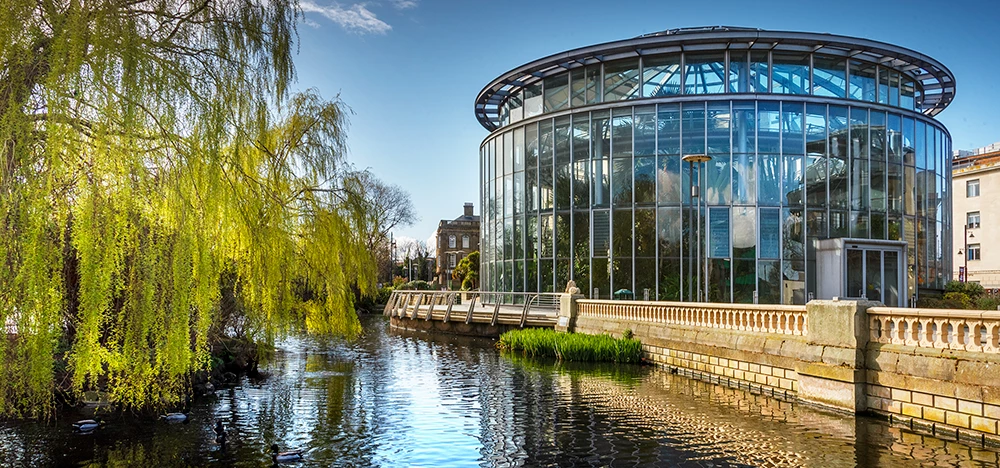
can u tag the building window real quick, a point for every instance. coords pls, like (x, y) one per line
(972, 188)
(465, 241)
(451, 261)
(973, 252)
(451, 241)
(972, 220)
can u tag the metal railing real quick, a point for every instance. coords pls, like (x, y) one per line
(421, 304)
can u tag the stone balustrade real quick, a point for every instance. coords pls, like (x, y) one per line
(779, 319)
(966, 330)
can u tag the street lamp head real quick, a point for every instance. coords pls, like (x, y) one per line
(959, 252)
(696, 158)
(972, 235)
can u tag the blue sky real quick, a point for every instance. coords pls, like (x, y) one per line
(410, 69)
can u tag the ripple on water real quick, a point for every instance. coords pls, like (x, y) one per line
(402, 399)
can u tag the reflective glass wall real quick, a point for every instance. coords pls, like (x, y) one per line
(715, 72)
(602, 196)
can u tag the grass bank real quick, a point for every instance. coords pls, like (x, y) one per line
(538, 342)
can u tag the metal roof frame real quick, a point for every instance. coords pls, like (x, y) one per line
(937, 81)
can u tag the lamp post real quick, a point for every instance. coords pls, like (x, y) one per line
(965, 253)
(696, 197)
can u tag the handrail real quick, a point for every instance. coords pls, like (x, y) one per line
(780, 319)
(967, 330)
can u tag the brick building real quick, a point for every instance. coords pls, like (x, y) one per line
(455, 239)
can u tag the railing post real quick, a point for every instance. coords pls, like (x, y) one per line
(566, 320)
(416, 307)
(527, 306)
(403, 306)
(447, 312)
(390, 304)
(496, 314)
(472, 306)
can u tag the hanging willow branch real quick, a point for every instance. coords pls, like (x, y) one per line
(143, 164)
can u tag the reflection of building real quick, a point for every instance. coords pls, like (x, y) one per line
(976, 189)
(812, 136)
(456, 239)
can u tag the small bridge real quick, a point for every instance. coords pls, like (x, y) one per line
(482, 313)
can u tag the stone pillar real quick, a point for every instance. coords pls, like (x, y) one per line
(566, 321)
(840, 328)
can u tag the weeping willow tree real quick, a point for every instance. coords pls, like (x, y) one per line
(149, 147)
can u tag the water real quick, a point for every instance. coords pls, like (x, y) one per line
(399, 399)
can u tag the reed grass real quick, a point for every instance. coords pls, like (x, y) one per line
(539, 342)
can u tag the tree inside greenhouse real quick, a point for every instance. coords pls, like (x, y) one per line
(151, 152)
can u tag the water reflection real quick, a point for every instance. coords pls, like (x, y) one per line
(401, 399)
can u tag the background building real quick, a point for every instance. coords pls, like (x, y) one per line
(455, 239)
(976, 185)
(811, 137)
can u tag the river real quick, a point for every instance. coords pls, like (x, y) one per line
(398, 399)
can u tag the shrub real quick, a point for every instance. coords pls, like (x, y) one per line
(987, 303)
(538, 342)
(957, 300)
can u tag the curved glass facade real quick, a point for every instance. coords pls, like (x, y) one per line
(584, 178)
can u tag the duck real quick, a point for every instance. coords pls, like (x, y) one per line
(284, 457)
(87, 425)
(220, 433)
(174, 417)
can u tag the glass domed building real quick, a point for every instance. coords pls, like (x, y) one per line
(595, 169)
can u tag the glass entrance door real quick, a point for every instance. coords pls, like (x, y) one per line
(873, 274)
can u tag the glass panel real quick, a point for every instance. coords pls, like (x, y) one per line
(891, 279)
(815, 170)
(585, 85)
(907, 147)
(518, 149)
(792, 173)
(669, 273)
(920, 143)
(829, 76)
(859, 184)
(859, 145)
(906, 93)
(769, 180)
(744, 179)
(837, 164)
(515, 106)
(793, 234)
(645, 182)
(621, 80)
(883, 85)
(759, 76)
(770, 233)
(694, 128)
(792, 128)
(873, 269)
(668, 228)
(601, 190)
(744, 280)
(793, 290)
(622, 233)
(839, 226)
(895, 138)
(532, 100)
(645, 236)
(769, 282)
(859, 225)
(581, 137)
(768, 127)
(894, 188)
(863, 81)
(621, 182)
(546, 234)
(601, 237)
(661, 76)
(578, 91)
(668, 124)
(744, 134)
(621, 139)
(704, 73)
(719, 284)
(791, 73)
(718, 232)
(718, 128)
(556, 92)
(855, 273)
(581, 184)
(644, 133)
(531, 236)
(545, 276)
(739, 73)
(744, 233)
(717, 180)
(518, 193)
(645, 277)
(668, 180)
(581, 249)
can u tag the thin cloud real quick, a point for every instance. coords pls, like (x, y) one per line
(355, 18)
(404, 4)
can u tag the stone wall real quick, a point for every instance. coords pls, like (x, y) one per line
(935, 371)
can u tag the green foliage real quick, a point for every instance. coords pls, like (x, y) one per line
(987, 303)
(961, 300)
(973, 290)
(144, 156)
(467, 271)
(538, 342)
(416, 285)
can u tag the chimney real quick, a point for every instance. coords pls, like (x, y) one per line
(468, 210)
